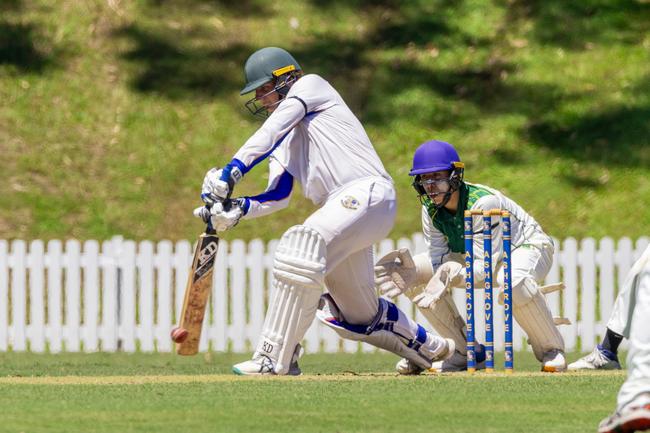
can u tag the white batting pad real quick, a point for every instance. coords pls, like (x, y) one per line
(536, 320)
(299, 269)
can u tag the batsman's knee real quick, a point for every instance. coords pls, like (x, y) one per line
(300, 258)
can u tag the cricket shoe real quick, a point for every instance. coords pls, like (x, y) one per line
(598, 359)
(631, 420)
(458, 362)
(406, 367)
(554, 361)
(262, 365)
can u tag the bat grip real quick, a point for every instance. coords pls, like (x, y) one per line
(227, 205)
(209, 230)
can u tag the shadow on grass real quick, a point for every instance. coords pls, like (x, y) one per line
(238, 7)
(11, 5)
(575, 24)
(168, 68)
(618, 136)
(383, 90)
(18, 48)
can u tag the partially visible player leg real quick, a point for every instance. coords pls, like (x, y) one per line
(350, 285)
(530, 264)
(604, 356)
(390, 330)
(298, 270)
(633, 403)
(448, 323)
(353, 310)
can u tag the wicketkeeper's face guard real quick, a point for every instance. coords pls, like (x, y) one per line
(268, 97)
(433, 185)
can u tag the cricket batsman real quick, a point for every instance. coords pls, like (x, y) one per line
(427, 278)
(310, 135)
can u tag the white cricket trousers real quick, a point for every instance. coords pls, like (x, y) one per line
(352, 219)
(636, 389)
(619, 318)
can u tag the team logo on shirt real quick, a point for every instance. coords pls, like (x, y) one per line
(350, 202)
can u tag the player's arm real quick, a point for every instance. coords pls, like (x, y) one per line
(219, 183)
(437, 246)
(305, 97)
(276, 196)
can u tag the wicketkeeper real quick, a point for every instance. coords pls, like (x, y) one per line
(427, 278)
(312, 136)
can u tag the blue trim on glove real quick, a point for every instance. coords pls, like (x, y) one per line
(244, 204)
(226, 173)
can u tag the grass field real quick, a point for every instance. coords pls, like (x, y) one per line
(113, 110)
(336, 393)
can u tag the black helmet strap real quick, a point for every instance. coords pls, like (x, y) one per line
(455, 180)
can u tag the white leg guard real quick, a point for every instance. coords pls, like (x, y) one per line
(445, 320)
(391, 330)
(299, 271)
(535, 318)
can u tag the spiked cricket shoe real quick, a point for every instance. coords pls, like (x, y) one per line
(631, 420)
(406, 367)
(458, 362)
(262, 365)
(554, 361)
(598, 359)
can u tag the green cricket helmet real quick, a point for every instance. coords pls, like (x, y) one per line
(270, 64)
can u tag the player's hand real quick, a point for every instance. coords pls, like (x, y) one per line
(221, 218)
(214, 189)
(395, 273)
(447, 276)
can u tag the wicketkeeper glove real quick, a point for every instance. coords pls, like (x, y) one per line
(447, 276)
(398, 271)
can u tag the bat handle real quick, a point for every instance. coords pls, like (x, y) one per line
(209, 230)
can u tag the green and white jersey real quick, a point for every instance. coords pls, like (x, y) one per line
(444, 233)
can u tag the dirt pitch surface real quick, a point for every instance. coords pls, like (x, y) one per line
(218, 378)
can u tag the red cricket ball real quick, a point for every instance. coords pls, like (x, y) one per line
(179, 334)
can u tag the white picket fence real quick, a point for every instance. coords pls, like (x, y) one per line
(126, 295)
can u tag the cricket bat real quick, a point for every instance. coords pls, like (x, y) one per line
(199, 285)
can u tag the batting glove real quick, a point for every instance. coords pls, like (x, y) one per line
(221, 218)
(218, 183)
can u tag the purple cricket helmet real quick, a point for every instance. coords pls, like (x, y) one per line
(433, 156)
